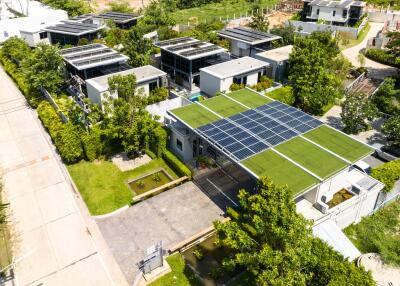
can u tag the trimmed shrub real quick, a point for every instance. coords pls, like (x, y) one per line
(283, 94)
(388, 173)
(91, 143)
(157, 95)
(158, 140)
(236, 86)
(150, 154)
(177, 165)
(383, 57)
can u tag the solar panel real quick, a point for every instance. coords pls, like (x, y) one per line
(174, 41)
(258, 147)
(89, 54)
(186, 46)
(200, 51)
(274, 140)
(99, 59)
(81, 48)
(243, 153)
(235, 147)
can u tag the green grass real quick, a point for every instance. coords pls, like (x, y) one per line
(213, 11)
(310, 157)
(223, 106)
(353, 42)
(249, 98)
(379, 233)
(280, 171)
(283, 94)
(104, 187)
(181, 274)
(195, 115)
(339, 143)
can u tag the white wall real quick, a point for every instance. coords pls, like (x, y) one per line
(381, 17)
(33, 39)
(326, 13)
(160, 108)
(186, 154)
(209, 84)
(239, 49)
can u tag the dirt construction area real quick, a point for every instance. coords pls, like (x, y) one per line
(100, 5)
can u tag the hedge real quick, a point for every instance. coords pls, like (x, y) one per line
(177, 165)
(158, 140)
(383, 57)
(388, 173)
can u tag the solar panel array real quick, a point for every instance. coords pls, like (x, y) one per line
(174, 42)
(247, 35)
(199, 51)
(73, 27)
(195, 44)
(85, 54)
(81, 49)
(255, 130)
(118, 17)
(89, 61)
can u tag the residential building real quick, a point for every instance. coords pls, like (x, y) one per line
(147, 78)
(220, 77)
(381, 39)
(278, 59)
(121, 20)
(340, 13)
(246, 41)
(71, 32)
(93, 60)
(183, 58)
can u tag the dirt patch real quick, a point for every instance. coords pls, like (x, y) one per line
(278, 18)
(383, 274)
(101, 5)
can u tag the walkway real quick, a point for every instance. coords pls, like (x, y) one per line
(377, 70)
(60, 243)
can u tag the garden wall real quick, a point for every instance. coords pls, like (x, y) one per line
(382, 16)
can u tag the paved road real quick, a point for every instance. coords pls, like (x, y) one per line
(60, 242)
(376, 69)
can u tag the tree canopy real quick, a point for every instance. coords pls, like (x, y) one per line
(15, 50)
(73, 7)
(391, 129)
(275, 244)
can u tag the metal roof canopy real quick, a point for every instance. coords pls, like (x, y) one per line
(247, 35)
(73, 28)
(118, 17)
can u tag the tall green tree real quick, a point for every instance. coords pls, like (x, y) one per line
(387, 98)
(357, 110)
(391, 129)
(276, 246)
(44, 67)
(259, 22)
(157, 15)
(138, 48)
(73, 7)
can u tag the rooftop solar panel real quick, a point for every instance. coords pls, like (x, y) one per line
(81, 48)
(247, 35)
(89, 54)
(195, 44)
(174, 41)
(99, 59)
(200, 51)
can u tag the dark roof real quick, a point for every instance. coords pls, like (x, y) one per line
(73, 28)
(247, 35)
(118, 17)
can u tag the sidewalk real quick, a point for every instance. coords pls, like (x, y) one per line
(61, 243)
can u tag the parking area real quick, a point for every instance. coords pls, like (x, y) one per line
(170, 217)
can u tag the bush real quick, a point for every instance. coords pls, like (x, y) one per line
(283, 94)
(264, 83)
(177, 165)
(157, 95)
(92, 145)
(150, 154)
(158, 140)
(383, 57)
(236, 86)
(388, 173)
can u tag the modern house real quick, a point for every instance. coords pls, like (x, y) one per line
(93, 60)
(265, 137)
(246, 41)
(70, 32)
(340, 13)
(147, 78)
(278, 59)
(220, 77)
(183, 58)
(121, 20)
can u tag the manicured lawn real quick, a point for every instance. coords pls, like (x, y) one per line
(104, 187)
(310, 157)
(249, 98)
(195, 115)
(181, 274)
(339, 143)
(213, 11)
(379, 233)
(280, 171)
(223, 106)
(283, 94)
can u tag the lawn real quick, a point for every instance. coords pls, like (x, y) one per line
(280, 170)
(379, 233)
(249, 98)
(310, 157)
(195, 115)
(213, 11)
(283, 94)
(104, 187)
(223, 106)
(181, 274)
(339, 143)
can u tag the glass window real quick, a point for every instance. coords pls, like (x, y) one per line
(43, 35)
(179, 144)
(334, 13)
(344, 13)
(317, 11)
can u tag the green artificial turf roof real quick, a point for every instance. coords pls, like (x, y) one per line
(195, 115)
(311, 157)
(280, 171)
(249, 98)
(339, 143)
(223, 106)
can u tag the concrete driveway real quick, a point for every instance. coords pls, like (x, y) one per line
(57, 241)
(377, 70)
(170, 217)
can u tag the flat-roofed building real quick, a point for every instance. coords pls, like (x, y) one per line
(279, 60)
(183, 58)
(148, 78)
(220, 77)
(246, 41)
(93, 60)
(70, 32)
(121, 20)
(340, 13)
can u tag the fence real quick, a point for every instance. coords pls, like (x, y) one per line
(50, 99)
(355, 82)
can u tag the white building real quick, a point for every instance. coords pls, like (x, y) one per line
(279, 60)
(219, 77)
(147, 78)
(37, 15)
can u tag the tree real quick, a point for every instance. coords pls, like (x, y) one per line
(156, 15)
(391, 129)
(157, 95)
(275, 244)
(15, 50)
(259, 22)
(73, 7)
(137, 48)
(286, 32)
(356, 110)
(121, 6)
(387, 98)
(43, 67)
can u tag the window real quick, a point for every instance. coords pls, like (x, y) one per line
(317, 11)
(152, 86)
(344, 14)
(237, 80)
(334, 13)
(179, 144)
(244, 80)
(43, 35)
